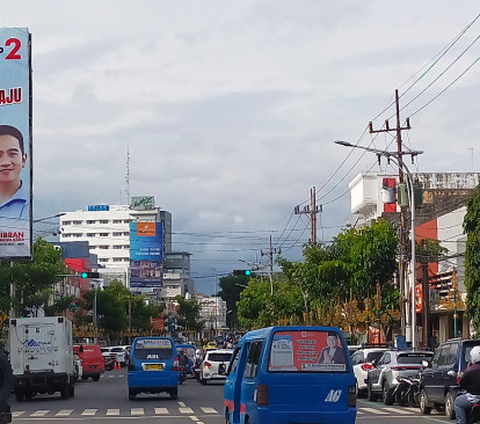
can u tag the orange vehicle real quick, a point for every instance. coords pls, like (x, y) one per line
(92, 360)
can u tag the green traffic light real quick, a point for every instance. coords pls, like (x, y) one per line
(84, 274)
(248, 272)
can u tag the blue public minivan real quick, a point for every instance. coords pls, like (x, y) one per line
(153, 367)
(287, 375)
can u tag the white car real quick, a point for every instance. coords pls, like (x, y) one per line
(362, 362)
(214, 365)
(121, 353)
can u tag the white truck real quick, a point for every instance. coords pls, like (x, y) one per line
(41, 354)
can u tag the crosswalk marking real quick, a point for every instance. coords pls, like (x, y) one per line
(40, 413)
(64, 413)
(208, 410)
(185, 410)
(137, 411)
(375, 411)
(161, 411)
(90, 412)
(17, 413)
(111, 412)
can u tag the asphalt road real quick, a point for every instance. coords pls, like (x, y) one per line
(107, 399)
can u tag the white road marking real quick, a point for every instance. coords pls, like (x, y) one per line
(137, 411)
(40, 413)
(89, 412)
(161, 411)
(113, 412)
(208, 410)
(64, 412)
(186, 410)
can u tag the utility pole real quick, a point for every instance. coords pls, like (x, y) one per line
(405, 321)
(311, 210)
(273, 250)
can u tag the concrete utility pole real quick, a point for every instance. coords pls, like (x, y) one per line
(405, 322)
(311, 210)
(273, 250)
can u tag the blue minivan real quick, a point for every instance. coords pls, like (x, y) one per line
(153, 367)
(287, 375)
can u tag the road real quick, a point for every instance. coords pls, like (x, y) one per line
(96, 402)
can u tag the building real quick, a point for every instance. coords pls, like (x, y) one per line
(106, 229)
(440, 219)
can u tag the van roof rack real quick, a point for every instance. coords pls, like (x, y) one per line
(376, 345)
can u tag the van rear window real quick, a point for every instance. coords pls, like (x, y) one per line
(307, 351)
(153, 349)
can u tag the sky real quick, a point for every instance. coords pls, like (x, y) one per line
(229, 110)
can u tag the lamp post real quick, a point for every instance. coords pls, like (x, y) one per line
(410, 325)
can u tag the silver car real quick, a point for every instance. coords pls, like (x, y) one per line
(382, 378)
(214, 365)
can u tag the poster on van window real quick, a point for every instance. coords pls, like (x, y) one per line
(303, 351)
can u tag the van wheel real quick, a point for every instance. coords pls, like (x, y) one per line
(131, 394)
(174, 393)
(71, 390)
(96, 377)
(424, 408)
(449, 406)
(84, 377)
(227, 417)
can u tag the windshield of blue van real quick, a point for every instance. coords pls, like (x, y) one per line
(153, 349)
(307, 351)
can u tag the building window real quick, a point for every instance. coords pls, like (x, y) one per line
(103, 247)
(103, 260)
(117, 221)
(127, 221)
(67, 223)
(103, 234)
(103, 221)
(77, 222)
(91, 221)
(116, 234)
(90, 234)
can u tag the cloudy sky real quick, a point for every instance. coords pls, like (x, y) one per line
(229, 109)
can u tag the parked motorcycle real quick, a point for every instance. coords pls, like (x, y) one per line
(407, 392)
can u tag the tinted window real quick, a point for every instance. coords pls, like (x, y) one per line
(443, 357)
(374, 355)
(413, 358)
(234, 362)
(219, 357)
(253, 360)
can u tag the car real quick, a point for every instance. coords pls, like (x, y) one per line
(121, 354)
(439, 380)
(214, 365)
(153, 367)
(92, 361)
(362, 362)
(382, 378)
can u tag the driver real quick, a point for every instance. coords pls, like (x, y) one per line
(470, 382)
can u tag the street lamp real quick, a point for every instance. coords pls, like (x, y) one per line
(411, 193)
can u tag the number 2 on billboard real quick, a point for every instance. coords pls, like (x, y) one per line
(13, 54)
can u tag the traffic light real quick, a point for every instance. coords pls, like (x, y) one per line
(246, 272)
(90, 274)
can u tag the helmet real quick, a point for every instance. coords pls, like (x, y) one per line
(475, 354)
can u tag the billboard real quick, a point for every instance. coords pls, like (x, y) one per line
(146, 254)
(15, 144)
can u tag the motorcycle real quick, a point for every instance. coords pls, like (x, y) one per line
(407, 392)
(183, 374)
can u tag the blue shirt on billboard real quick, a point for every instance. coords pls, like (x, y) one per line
(18, 206)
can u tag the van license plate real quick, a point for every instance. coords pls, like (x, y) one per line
(153, 367)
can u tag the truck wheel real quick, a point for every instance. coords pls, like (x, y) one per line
(65, 391)
(19, 395)
(6, 378)
(71, 391)
(449, 406)
(96, 377)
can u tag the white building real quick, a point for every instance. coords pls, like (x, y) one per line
(106, 228)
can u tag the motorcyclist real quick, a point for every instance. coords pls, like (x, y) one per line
(470, 382)
(183, 362)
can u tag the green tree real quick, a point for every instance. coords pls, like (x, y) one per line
(32, 281)
(471, 226)
(230, 288)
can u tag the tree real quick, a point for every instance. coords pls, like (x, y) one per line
(32, 281)
(471, 226)
(231, 286)
(189, 314)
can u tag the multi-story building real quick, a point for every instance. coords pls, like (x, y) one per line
(106, 228)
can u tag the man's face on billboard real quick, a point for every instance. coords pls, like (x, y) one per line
(12, 160)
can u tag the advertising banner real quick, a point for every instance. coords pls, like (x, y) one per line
(315, 351)
(15, 144)
(146, 256)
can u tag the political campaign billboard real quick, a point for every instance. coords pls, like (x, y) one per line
(15, 144)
